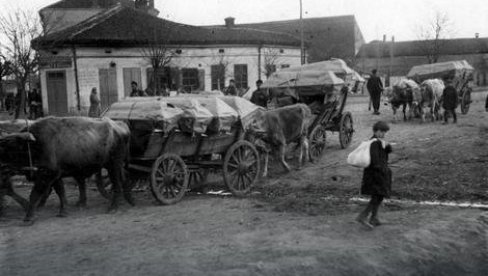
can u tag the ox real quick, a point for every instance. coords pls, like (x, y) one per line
(427, 99)
(279, 127)
(401, 94)
(74, 146)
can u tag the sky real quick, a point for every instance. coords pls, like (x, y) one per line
(398, 18)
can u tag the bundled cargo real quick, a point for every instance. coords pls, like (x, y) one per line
(246, 110)
(153, 114)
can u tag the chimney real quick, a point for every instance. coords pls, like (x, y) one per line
(229, 22)
(476, 35)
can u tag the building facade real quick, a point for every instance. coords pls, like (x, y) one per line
(395, 59)
(327, 37)
(118, 45)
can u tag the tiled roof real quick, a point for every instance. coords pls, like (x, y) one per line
(414, 48)
(85, 4)
(124, 26)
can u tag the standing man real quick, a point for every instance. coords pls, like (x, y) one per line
(375, 87)
(95, 109)
(136, 92)
(449, 100)
(259, 96)
(231, 89)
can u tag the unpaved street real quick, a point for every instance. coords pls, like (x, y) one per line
(287, 226)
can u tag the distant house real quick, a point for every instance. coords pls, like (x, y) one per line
(327, 37)
(397, 58)
(113, 44)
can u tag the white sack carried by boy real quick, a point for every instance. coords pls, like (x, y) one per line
(361, 157)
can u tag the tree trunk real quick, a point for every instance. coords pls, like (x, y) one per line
(20, 108)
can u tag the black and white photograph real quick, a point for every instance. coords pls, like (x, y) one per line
(232, 138)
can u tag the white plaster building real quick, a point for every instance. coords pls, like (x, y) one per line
(109, 49)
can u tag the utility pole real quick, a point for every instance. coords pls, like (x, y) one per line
(302, 48)
(391, 60)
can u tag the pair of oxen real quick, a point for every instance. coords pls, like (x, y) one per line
(56, 147)
(420, 99)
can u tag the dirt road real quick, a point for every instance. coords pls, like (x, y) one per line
(287, 226)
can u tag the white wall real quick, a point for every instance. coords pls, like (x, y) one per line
(90, 60)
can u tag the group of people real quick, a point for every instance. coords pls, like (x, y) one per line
(33, 101)
(449, 99)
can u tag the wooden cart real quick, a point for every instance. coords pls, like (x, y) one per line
(325, 93)
(176, 160)
(460, 72)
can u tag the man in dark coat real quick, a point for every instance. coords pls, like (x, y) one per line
(260, 97)
(375, 87)
(377, 176)
(136, 92)
(450, 101)
(231, 89)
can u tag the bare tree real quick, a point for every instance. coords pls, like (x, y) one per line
(270, 56)
(432, 36)
(159, 54)
(19, 28)
(222, 65)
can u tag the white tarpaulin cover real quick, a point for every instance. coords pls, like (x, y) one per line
(306, 77)
(246, 110)
(191, 113)
(224, 116)
(440, 70)
(155, 111)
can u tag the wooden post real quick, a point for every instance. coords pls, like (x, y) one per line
(302, 44)
(78, 104)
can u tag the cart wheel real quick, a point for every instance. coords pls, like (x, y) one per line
(317, 139)
(104, 186)
(465, 102)
(241, 167)
(169, 178)
(345, 130)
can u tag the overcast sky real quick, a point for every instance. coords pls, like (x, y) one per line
(399, 18)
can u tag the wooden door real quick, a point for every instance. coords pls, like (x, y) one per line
(130, 75)
(57, 98)
(108, 87)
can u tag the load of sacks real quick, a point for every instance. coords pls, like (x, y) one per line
(193, 114)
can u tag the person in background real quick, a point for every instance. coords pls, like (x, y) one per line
(95, 109)
(231, 89)
(136, 92)
(375, 87)
(377, 177)
(449, 100)
(260, 96)
(35, 104)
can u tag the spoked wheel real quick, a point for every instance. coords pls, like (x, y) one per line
(465, 102)
(241, 167)
(345, 130)
(317, 140)
(169, 179)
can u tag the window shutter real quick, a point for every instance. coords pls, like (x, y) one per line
(201, 79)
